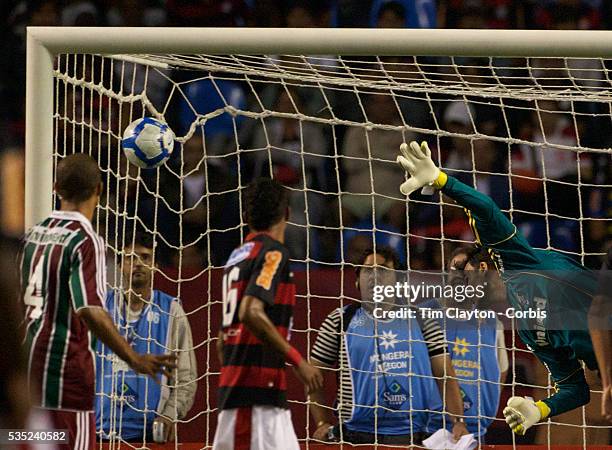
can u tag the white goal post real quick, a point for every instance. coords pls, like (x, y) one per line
(45, 43)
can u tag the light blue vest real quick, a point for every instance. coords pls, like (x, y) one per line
(472, 362)
(391, 375)
(141, 395)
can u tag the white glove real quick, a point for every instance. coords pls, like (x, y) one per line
(416, 160)
(521, 413)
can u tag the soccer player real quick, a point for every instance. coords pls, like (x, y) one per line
(477, 346)
(566, 298)
(152, 321)
(258, 300)
(377, 401)
(63, 288)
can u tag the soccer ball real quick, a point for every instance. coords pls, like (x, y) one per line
(147, 142)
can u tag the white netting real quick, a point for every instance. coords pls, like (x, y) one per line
(533, 133)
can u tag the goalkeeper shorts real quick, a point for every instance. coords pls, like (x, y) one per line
(255, 428)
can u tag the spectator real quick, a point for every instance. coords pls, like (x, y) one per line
(211, 95)
(565, 14)
(390, 15)
(368, 157)
(475, 160)
(196, 203)
(351, 13)
(80, 13)
(550, 129)
(403, 14)
(460, 120)
(312, 14)
(294, 150)
(208, 13)
(308, 14)
(137, 13)
(567, 72)
(265, 13)
(477, 346)
(506, 14)
(152, 321)
(377, 402)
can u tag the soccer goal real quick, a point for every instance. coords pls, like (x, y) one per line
(523, 116)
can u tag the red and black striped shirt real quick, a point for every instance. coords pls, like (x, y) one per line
(251, 373)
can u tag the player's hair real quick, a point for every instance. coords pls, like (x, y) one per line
(77, 178)
(139, 238)
(386, 252)
(478, 255)
(266, 202)
(467, 250)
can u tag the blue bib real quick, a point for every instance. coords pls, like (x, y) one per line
(390, 373)
(473, 359)
(141, 395)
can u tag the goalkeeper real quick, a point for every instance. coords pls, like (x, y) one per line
(529, 288)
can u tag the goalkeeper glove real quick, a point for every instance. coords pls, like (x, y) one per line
(416, 160)
(522, 413)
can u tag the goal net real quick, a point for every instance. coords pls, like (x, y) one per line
(533, 133)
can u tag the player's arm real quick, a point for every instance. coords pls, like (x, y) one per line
(501, 351)
(491, 226)
(253, 315)
(87, 284)
(260, 293)
(321, 413)
(571, 391)
(101, 325)
(325, 354)
(442, 369)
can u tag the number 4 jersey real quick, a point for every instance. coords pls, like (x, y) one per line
(62, 271)
(251, 373)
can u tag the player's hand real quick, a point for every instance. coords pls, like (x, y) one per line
(459, 429)
(310, 375)
(416, 160)
(168, 428)
(606, 403)
(321, 433)
(521, 414)
(151, 365)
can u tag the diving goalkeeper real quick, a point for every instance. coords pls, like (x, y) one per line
(539, 279)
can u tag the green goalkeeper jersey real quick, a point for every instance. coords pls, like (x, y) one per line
(539, 279)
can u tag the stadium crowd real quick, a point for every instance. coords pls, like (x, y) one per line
(586, 125)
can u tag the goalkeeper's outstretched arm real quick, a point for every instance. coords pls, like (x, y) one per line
(491, 226)
(571, 391)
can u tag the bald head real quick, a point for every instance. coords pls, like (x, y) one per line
(77, 178)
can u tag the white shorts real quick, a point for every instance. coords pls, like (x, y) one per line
(255, 428)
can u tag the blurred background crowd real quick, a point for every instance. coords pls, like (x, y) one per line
(333, 169)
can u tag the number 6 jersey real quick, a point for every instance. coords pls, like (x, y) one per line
(252, 373)
(62, 271)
